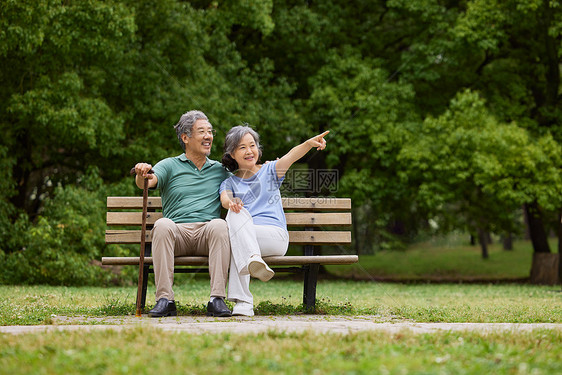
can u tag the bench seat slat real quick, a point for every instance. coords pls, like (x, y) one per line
(289, 203)
(114, 203)
(295, 237)
(273, 261)
(294, 219)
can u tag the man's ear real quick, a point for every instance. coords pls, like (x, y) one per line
(185, 138)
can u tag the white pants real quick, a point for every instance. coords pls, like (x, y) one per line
(247, 239)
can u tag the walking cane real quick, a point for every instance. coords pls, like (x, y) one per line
(143, 242)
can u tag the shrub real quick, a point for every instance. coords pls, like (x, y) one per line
(61, 246)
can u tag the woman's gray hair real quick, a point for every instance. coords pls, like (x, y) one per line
(232, 140)
(186, 122)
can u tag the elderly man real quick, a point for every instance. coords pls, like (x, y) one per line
(191, 224)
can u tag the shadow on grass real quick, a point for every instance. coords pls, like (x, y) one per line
(323, 307)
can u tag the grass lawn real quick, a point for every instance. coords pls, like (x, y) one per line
(514, 303)
(447, 259)
(149, 351)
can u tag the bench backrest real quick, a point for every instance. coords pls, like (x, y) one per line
(303, 215)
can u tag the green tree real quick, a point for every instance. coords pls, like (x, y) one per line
(55, 61)
(507, 50)
(100, 84)
(474, 172)
(523, 48)
(97, 85)
(369, 119)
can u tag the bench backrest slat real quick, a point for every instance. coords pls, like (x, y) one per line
(328, 214)
(294, 219)
(289, 203)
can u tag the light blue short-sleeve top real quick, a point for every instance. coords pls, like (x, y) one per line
(260, 195)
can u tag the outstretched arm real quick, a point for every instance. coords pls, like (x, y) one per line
(298, 152)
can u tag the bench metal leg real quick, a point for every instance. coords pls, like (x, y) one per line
(310, 280)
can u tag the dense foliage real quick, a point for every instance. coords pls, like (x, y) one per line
(441, 112)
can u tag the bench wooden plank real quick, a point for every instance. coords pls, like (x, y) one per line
(114, 203)
(131, 218)
(302, 219)
(317, 204)
(289, 203)
(294, 219)
(114, 236)
(287, 260)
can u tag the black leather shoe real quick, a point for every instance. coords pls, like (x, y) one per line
(218, 308)
(163, 308)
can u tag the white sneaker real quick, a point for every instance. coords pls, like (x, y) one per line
(259, 269)
(243, 308)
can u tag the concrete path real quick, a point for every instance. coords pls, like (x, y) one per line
(248, 325)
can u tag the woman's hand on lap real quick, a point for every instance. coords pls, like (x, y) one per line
(236, 205)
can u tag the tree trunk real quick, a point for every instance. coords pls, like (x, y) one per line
(541, 268)
(489, 238)
(507, 241)
(545, 269)
(536, 228)
(483, 239)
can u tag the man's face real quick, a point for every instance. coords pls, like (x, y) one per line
(201, 138)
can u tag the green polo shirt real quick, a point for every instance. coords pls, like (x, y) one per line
(189, 195)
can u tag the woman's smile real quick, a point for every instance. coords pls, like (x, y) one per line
(247, 154)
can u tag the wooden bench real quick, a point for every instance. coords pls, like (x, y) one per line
(311, 222)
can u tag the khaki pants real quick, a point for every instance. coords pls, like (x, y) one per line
(170, 240)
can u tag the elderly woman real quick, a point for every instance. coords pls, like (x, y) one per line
(256, 221)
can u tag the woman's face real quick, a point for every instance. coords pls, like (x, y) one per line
(246, 153)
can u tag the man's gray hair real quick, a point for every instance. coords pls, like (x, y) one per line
(186, 122)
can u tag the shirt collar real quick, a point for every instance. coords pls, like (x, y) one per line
(208, 162)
